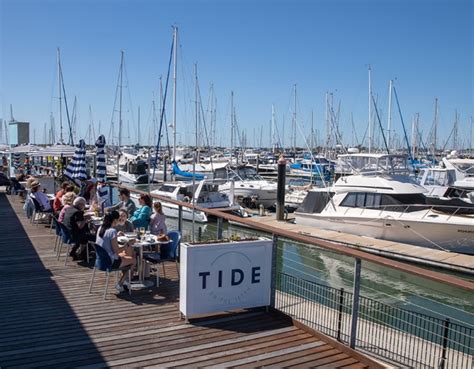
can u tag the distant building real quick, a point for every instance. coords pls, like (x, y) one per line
(19, 133)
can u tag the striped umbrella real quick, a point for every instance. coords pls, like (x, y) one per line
(76, 170)
(16, 160)
(100, 157)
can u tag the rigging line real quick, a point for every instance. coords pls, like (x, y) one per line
(162, 113)
(111, 130)
(403, 123)
(129, 95)
(71, 140)
(380, 125)
(417, 233)
(205, 126)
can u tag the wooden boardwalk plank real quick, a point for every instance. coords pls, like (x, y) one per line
(49, 319)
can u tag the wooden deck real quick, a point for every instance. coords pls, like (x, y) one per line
(48, 318)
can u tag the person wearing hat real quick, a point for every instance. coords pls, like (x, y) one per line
(40, 196)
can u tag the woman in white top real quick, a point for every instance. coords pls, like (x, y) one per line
(107, 239)
(157, 222)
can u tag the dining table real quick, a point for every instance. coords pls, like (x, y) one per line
(145, 241)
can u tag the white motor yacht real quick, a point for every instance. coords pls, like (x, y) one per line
(249, 188)
(382, 201)
(207, 196)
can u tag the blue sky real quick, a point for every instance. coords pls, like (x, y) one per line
(258, 49)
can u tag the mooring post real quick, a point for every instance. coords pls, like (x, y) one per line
(219, 228)
(180, 219)
(355, 302)
(280, 208)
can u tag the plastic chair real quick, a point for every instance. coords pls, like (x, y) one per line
(104, 264)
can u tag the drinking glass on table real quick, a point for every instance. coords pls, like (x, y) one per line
(142, 231)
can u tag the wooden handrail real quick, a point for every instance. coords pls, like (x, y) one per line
(328, 245)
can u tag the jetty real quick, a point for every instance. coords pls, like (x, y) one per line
(50, 319)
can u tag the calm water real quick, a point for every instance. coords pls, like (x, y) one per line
(383, 284)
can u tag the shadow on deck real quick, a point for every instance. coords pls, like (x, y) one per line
(48, 318)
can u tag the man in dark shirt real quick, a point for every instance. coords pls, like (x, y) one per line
(77, 224)
(125, 202)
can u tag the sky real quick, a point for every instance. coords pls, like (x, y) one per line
(258, 49)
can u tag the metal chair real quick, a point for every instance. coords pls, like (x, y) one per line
(37, 209)
(103, 262)
(66, 238)
(57, 230)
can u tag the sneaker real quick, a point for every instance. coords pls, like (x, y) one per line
(119, 287)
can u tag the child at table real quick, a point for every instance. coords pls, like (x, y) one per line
(124, 225)
(157, 222)
(107, 239)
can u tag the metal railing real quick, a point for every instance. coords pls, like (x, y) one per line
(392, 333)
(386, 331)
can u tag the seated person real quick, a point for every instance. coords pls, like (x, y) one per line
(157, 222)
(125, 202)
(77, 224)
(57, 203)
(141, 217)
(40, 196)
(103, 195)
(107, 239)
(124, 225)
(66, 200)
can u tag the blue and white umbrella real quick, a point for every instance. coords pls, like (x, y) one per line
(76, 170)
(101, 171)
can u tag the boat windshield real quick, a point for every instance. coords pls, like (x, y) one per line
(248, 174)
(467, 167)
(375, 164)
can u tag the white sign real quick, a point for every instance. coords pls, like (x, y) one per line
(223, 276)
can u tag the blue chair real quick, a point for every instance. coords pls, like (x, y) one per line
(168, 252)
(57, 231)
(103, 262)
(66, 239)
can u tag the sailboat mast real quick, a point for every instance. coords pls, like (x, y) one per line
(294, 125)
(231, 124)
(312, 132)
(435, 132)
(389, 123)
(138, 128)
(120, 98)
(196, 106)
(272, 135)
(60, 98)
(370, 110)
(175, 70)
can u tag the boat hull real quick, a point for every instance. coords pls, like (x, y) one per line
(445, 236)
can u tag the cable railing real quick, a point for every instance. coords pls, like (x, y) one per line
(391, 333)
